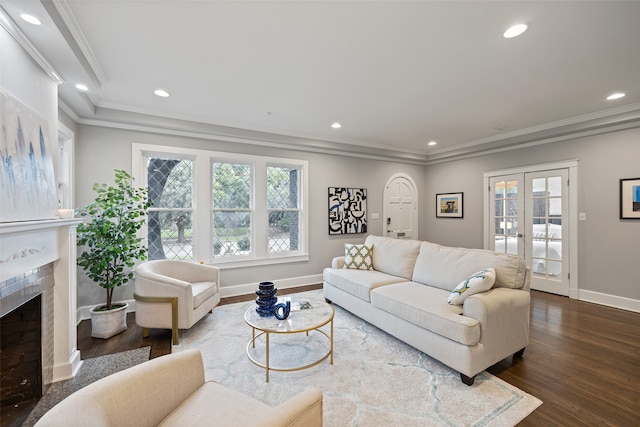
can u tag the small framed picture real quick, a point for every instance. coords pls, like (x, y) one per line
(630, 198)
(449, 205)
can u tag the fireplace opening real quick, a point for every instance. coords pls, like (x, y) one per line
(21, 353)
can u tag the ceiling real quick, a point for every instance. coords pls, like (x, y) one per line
(395, 74)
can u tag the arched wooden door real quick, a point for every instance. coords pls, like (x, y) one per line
(400, 209)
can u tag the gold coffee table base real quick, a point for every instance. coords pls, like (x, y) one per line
(301, 321)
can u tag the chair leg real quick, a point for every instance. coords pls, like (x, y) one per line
(174, 320)
(174, 313)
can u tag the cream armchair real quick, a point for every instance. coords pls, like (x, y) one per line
(171, 390)
(174, 294)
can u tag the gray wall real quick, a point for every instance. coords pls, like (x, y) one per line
(608, 248)
(101, 150)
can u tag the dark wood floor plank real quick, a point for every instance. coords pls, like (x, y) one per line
(583, 360)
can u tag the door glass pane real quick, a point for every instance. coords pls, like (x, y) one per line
(555, 186)
(555, 207)
(512, 188)
(499, 187)
(511, 225)
(554, 249)
(539, 185)
(554, 268)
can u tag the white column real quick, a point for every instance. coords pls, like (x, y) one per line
(66, 355)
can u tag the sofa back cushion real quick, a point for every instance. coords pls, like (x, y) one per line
(394, 256)
(445, 267)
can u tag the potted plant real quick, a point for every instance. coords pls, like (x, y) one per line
(112, 246)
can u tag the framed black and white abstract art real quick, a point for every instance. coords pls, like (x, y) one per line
(347, 210)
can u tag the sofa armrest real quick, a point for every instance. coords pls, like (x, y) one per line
(337, 262)
(503, 315)
(302, 410)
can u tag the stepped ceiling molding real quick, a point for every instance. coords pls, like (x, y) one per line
(395, 74)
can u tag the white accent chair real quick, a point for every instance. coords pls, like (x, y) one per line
(174, 294)
(172, 390)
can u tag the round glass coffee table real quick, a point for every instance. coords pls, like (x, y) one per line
(307, 315)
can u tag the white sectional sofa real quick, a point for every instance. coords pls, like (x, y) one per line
(406, 294)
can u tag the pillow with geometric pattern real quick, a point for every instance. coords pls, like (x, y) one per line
(481, 281)
(358, 257)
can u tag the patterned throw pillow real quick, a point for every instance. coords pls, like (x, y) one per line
(358, 257)
(481, 281)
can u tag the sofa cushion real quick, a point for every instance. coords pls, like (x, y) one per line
(427, 307)
(199, 409)
(358, 282)
(358, 257)
(479, 281)
(394, 256)
(445, 267)
(202, 291)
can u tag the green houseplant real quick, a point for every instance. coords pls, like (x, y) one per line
(112, 246)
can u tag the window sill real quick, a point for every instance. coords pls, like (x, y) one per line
(229, 264)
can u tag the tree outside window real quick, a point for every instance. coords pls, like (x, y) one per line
(170, 183)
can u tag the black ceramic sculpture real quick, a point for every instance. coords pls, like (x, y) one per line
(266, 298)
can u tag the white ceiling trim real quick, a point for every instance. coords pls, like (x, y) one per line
(86, 56)
(612, 115)
(300, 146)
(7, 23)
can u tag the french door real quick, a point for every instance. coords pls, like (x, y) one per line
(529, 217)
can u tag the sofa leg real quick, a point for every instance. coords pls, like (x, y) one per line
(328, 301)
(467, 380)
(519, 353)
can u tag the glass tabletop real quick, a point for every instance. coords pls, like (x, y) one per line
(306, 314)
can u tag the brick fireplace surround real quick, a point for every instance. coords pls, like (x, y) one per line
(37, 285)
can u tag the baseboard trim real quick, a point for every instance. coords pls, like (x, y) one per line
(614, 301)
(84, 312)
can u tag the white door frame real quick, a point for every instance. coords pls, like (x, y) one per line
(65, 167)
(416, 204)
(572, 166)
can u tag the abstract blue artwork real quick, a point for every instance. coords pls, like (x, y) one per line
(347, 210)
(27, 181)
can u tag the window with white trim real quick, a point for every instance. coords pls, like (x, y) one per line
(257, 206)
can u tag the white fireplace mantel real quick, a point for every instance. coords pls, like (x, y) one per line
(30, 244)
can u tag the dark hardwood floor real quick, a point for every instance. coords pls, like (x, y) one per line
(583, 361)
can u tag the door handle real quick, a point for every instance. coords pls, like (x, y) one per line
(519, 234)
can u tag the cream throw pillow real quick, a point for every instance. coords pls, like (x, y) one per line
(358, 257)
(481, 281)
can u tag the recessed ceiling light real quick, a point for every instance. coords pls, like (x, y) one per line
(30, 19)
(336, 125)
(616, 95)
(161, 93)
(82, 87)
(432, 143)
(515, 31)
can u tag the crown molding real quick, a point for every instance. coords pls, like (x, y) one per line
(10, 26)
(65, 19)
(611, 116)
(593, 124)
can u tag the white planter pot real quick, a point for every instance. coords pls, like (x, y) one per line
(105, 324)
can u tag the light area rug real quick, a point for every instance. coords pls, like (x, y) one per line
(90, 371)
(375, 380)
